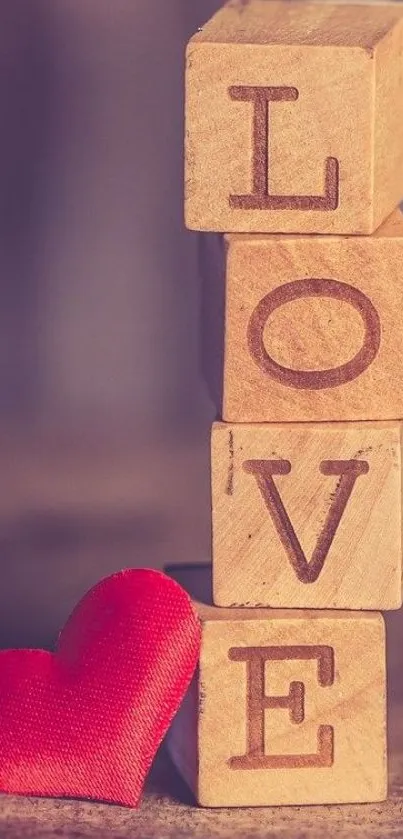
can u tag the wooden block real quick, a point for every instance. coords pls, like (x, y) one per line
(294, 118)
(313, 327)
(287, 708)
(307, 516)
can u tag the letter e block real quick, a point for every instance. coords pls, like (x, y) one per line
(287, 708)
(313, 328)
(294, 118)
(307, 516)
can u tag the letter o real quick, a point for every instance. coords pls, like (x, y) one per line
(315, 379)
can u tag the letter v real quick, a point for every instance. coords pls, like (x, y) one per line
(348, 470)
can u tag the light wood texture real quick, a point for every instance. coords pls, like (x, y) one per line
(294, 118)
(307, 515)
(312, 326)
(285, 714)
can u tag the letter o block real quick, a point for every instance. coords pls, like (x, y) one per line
(312, 327)
(288, 707)
(295, 118)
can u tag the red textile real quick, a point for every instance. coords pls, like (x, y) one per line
(87, 721)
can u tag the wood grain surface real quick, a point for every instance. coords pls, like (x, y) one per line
(294, 121)
(307, 515)
(312, 326)
(280, 712)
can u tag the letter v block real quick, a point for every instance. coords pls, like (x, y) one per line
(307, 515)
(313, 328)
(294, 118)
(288, 707)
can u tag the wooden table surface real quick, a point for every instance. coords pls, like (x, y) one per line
(68, 516)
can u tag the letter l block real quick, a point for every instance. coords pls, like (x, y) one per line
(294, 118)
(288, 708)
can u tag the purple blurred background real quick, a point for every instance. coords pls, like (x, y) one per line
(103, 413)
(99, 297)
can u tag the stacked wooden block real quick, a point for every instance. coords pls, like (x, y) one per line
(295, 127)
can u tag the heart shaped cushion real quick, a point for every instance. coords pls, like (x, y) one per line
(86, 721)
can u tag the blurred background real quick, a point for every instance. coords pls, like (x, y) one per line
(104, 417)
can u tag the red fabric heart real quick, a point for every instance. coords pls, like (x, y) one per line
(86, 721)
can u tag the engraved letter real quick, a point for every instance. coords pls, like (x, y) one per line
(348, 470)
(260, 198)
(257, 702)
(315, 379)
